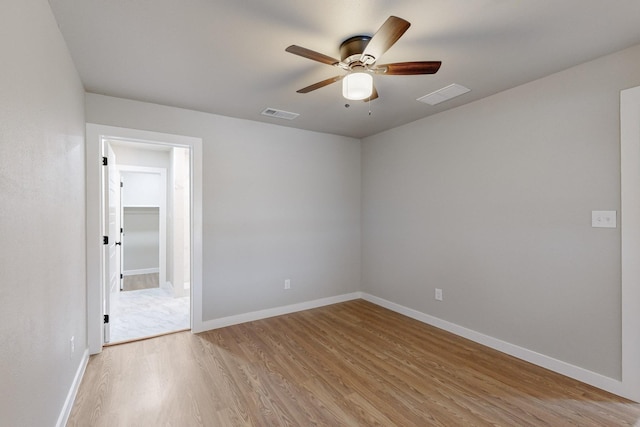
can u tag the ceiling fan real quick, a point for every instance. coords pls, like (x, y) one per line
(359, 56)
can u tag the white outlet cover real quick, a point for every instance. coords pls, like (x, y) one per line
(603, 219)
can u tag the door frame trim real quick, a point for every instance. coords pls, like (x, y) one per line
(630, 239)
(95, 134)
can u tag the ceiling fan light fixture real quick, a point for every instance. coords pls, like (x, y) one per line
(357, 86)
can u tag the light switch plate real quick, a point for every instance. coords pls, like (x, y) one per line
(603, 219)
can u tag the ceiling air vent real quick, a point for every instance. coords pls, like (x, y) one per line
(272, 112)
(444, 94)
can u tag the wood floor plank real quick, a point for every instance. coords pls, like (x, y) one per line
(349, 364)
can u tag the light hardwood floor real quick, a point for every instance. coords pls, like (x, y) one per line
(349, 364)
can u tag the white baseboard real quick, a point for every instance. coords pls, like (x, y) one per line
(276, 311)
(597, 380)
(140, 271)
(73, 391)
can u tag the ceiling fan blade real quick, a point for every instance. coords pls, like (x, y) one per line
(408, 68)
(374, 95)
(389, 33)
(320, 84)
(311, 54)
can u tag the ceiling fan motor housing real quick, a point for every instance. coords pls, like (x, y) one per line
(351, 49)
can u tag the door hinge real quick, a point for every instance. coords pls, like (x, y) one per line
(105, 161)
(121, 276)
(105, 240)
(121, 184)
(106, 318)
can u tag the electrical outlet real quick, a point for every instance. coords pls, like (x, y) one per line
(438, 295)
(287, 284)
(603, 219)
(73, 344)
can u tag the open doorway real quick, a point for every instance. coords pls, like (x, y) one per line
(97, 262)
(147, 193)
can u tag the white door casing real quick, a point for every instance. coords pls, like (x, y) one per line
(630, 228)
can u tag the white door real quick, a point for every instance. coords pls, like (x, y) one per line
(112, 216)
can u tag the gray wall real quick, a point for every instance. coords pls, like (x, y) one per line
(141, 155)
(492, 203)
(141, 243)
(278, 203)
(142, 189)
(42, 223)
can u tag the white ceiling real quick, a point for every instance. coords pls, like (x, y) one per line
(228, 56)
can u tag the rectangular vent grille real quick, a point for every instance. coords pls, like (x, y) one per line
(444, 94)
(272, 112)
